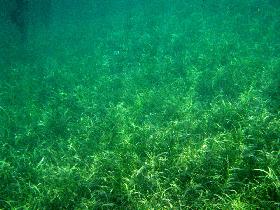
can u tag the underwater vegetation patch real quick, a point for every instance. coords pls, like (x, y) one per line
(140, 104)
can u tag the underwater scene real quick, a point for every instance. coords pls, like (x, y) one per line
(140, 104)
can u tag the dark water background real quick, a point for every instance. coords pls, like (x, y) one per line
(139, 104)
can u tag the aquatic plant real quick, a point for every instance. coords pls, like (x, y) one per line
(184, 115)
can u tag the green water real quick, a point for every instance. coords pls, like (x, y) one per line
(141, 104)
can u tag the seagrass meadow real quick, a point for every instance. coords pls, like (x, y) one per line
(141, 104)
